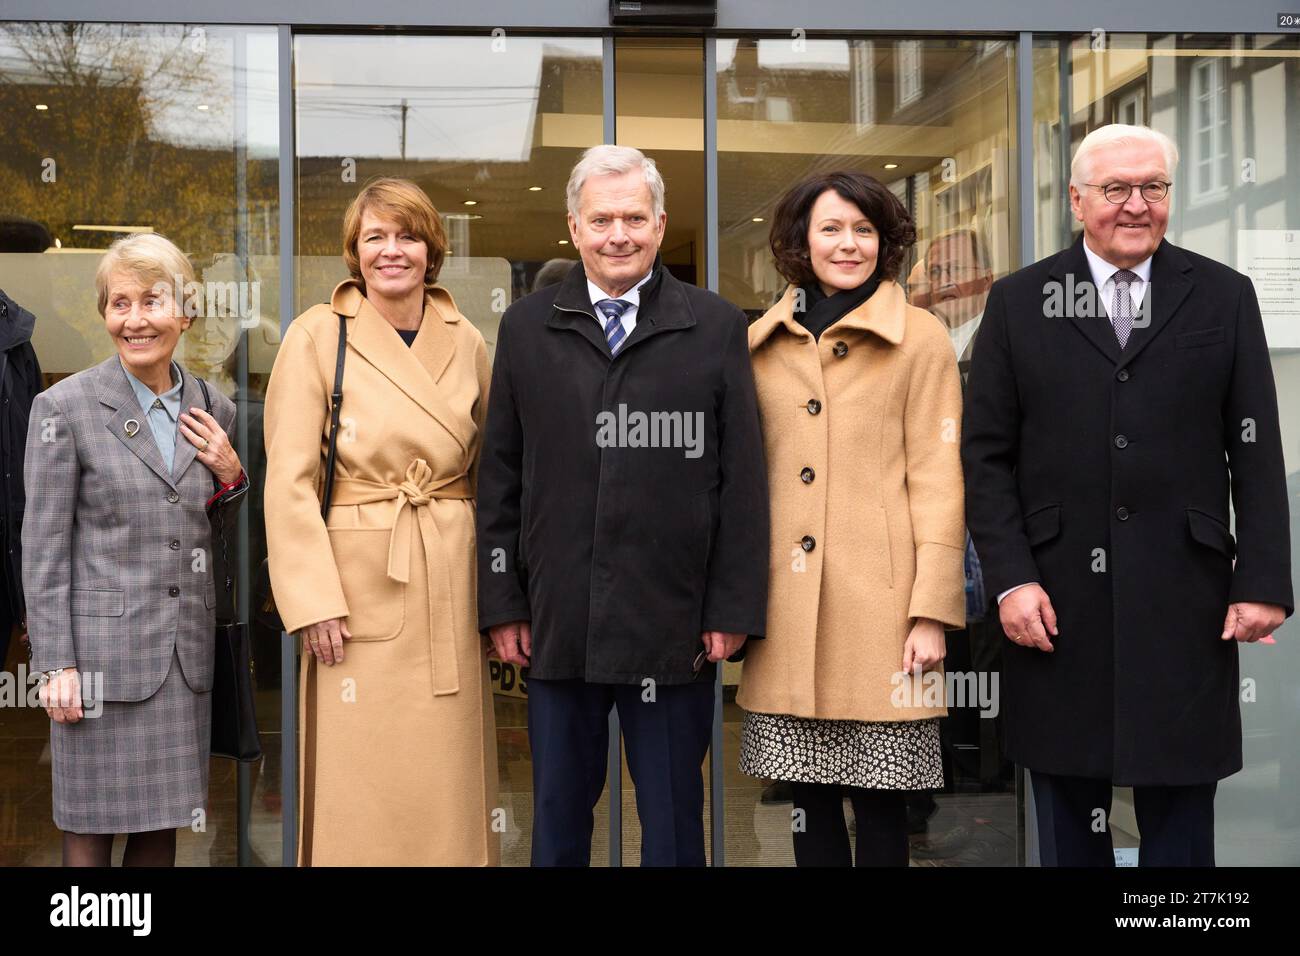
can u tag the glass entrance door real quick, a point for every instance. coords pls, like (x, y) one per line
(931, 119)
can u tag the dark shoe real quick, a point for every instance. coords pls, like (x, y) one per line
(778, 791)
(941, 845)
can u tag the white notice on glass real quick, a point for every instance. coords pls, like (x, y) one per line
(1271, 257)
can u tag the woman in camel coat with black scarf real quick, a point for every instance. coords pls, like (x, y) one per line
(860, 402)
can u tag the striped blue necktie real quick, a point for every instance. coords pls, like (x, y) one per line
(612, 310)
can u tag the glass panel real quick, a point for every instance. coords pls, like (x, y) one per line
(930, 119)
(659, 96)
(1230, 104)
(113, 129)
(489, 127)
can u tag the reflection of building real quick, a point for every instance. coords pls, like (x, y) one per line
(80, 139)
(1229, 103)
(929, 120)
(188, 129)
(507, 219)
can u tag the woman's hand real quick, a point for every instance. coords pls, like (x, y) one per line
(61, 697)
(325, 640)
(203, 432)
(925, 647)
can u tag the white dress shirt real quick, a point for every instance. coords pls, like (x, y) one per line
(962, 335)
(1103, 278)
(633, 295)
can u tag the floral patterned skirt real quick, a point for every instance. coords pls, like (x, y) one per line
(877, 755)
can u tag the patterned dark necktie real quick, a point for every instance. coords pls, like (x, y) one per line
(612, 310)
(1121, 305)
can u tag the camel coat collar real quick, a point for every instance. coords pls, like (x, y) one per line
(415, 369)
(884, 314)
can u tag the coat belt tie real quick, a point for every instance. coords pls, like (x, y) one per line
(416, 490)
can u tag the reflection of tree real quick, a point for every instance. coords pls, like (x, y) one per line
(107, 87)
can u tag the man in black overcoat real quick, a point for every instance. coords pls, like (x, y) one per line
(622, 516)
(1120, 396)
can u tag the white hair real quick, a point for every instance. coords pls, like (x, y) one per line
(607, 160)
(1116, 134)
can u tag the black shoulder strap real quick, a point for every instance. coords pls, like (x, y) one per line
(336, 402)
(207, 407)
(221, 518)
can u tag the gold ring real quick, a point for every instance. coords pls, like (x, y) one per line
(205, 445)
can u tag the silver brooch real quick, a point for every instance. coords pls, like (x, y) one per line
(131, 427)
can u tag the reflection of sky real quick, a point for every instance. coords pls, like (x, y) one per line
(778, 54)
(464, 100)
(176, 117)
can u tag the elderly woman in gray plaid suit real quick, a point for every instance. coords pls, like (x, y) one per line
(118, 567)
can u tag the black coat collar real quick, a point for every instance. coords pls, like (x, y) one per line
(663, 307)
(1170, 285)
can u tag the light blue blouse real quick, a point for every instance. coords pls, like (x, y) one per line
(161, 411)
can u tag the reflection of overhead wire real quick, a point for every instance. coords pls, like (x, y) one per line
(403, 87)
(435, 133)
(391, 98)
(388, 102)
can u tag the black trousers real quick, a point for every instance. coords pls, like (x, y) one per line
(667, 739)
(1176, 824)
(821, 837)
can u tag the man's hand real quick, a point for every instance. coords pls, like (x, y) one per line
(1248, 622)
(721, 645)
(513, 642)
(1027, 617)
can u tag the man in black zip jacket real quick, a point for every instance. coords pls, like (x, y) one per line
(20, 380)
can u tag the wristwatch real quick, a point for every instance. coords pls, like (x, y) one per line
(48, 676)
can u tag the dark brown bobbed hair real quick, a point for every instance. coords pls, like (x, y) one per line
(789, 235)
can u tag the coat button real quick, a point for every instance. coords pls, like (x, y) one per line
(174, 545)
(808, 542)
(1122, 375)
(840, 349)
(807, 476)
(173, 591)
(814, 406)
(1121, 513)
(1121, 441)
(173, 497)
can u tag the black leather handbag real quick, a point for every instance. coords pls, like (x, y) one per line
(264, 608)
(234, 714)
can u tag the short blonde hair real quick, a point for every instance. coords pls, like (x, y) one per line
(1115, 134)
(148, 258)
(406, 204)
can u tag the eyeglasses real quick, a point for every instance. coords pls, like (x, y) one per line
(955, 272)
(1118, 193)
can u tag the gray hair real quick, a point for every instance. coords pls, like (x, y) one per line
(1115, 134)
(146, 257)
(607, 160)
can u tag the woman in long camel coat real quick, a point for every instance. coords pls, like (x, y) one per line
(397, 740)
